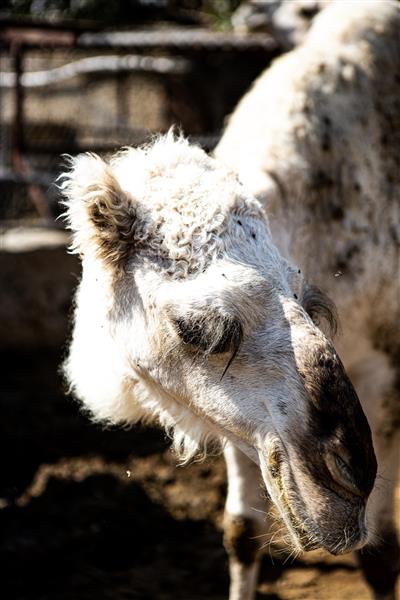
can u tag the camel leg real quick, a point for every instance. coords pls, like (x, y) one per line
(244, 522)
(380, 560)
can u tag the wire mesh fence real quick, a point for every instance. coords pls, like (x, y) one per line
(67, 109)
(106, 91)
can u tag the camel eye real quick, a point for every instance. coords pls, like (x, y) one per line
(226, 335)
(190, 332)
(214, 334)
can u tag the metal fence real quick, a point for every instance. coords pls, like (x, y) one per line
(67, 90)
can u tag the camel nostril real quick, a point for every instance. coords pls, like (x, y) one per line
(341, 473)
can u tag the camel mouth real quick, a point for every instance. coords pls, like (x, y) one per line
(300, 535)
(280, 492)
(303, 530)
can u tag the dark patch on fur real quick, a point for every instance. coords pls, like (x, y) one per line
(321, 179)
(345, 258)
(326, 142)
(385, 338)
(394, 234)
(337, 212)
(326, 198)
(239, 539)
(282, 407)
(391, 406)
(320, 308)
(381, 563)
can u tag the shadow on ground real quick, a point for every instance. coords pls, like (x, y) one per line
(70, 534)
(40, 424)
(106, 539)
(87, 513)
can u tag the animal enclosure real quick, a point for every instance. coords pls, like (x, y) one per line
(67, 89)
(87, 512)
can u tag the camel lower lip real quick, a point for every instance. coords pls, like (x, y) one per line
(298, 531)
(274, 466)
(302, 537)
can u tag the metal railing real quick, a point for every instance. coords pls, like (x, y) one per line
(48, 67)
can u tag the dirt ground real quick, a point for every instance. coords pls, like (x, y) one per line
(91, 514)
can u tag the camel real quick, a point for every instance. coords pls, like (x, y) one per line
(316, 140)
(287, 20)
(187, 314)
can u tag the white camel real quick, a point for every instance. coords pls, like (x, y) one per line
(187, 314)
(317, 141)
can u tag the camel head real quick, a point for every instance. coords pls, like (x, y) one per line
(187, 314)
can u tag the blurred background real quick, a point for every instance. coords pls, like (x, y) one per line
(86, 512)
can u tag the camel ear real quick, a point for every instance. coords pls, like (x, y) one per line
(100, 214)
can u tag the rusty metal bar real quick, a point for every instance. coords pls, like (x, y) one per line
(17, 134)
(100, 64)
(207, 141)
(37, 37)
(178, 38)
(16, 52)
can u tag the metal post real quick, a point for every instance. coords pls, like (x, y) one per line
(17, 134)
(18, 101)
